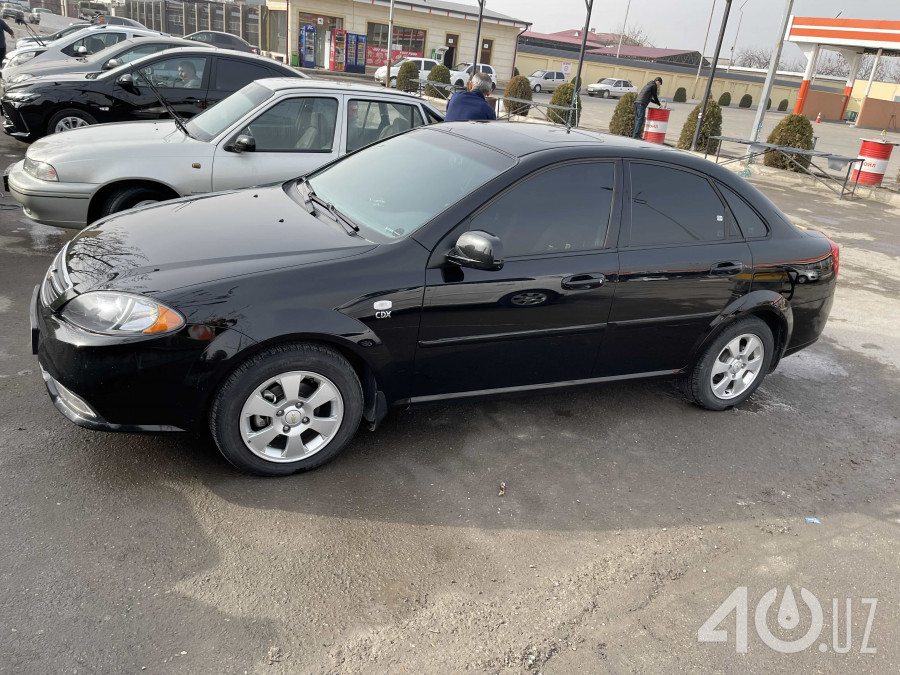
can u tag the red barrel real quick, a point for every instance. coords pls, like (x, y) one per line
(875, 156)
(656, 125)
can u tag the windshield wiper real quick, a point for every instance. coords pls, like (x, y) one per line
(178, 121)
(340, 217)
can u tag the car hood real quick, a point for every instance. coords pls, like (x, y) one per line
(204, 239)
(117, 142)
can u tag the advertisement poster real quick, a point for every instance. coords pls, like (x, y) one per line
(377, 56)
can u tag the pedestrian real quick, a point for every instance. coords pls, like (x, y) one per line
(649, 94)
(4, 28)
(471, 105)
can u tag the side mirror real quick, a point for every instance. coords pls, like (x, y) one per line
(244, 143)
(478, 250)
(81, 50)
(112, 63)
(126, 81)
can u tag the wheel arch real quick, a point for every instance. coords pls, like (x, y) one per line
(100, 196)
(769, 306)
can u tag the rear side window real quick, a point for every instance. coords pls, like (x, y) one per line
(749, 222)
(527, 217)
(670, 206)
(232, 74)
(372, 121)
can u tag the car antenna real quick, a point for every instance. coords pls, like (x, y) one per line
(178, 121)
(35, 35)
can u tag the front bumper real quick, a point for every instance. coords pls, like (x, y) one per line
(48, 202)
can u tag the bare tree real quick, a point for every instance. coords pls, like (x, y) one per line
(635, 36)
(752, 57)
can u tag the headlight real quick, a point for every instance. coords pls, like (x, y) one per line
(21, 78)
(21, 96)
(19, 59)
(40, 170)
(113, 313)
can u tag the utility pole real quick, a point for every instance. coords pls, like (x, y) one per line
(708, 26)
(477, 39)
(573, 107)
(736, 33)
(625, 28)
(770, 76)
(387, 73)
(712, 74)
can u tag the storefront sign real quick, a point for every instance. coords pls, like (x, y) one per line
(377, 56)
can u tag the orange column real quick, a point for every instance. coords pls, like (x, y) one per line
(847, 92)
(801, 98)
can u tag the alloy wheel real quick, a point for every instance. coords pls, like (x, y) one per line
(737, 366)
(291, 416)
(69, 123)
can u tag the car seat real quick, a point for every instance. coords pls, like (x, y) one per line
(306, 128)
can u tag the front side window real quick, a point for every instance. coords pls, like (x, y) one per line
(297, 124)
(528, 219)
(93, 43)
(372, 121)
(408, 181)
(671, 206)
(177, 73)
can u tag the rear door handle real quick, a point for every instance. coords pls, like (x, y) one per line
(727, 268)
(580, 282)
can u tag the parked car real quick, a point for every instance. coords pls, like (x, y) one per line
(42, 106)
(424, 66)
(280, 317)
(269, 131)
(546, 80)
(611, 87)
(461, 73)
(42, 40)
(35, 16)
(13, 12)
(112, 20)
(85, 42)
(106, 59)
(221, 40)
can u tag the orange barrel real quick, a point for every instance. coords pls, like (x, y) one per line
(656, 125)
(875, 156)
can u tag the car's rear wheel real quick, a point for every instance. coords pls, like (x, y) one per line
(130, 197)
(460, 83)
(537, 89)
(68, 119)
(733, 365)
(290, 408)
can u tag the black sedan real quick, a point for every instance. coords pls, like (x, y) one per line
(281, 317)
(189, 79)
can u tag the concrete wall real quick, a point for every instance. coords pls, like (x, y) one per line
(886, 91)
(641, 74)
(356, 16)
(879, 114)
(830, 105)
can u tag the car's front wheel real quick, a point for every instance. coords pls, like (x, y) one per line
(68, 119)
(733, 365)
(130, 197)
(290, 408)
(537, 89)
(605, 93)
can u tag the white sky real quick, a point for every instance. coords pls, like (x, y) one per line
(682, 23)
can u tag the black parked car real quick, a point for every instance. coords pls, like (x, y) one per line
(190, 80)
(216, 38)
(282, 316)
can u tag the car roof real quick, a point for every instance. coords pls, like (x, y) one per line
(202, 50)
(277, 84)
(215, 32)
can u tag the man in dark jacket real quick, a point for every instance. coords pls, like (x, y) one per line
(471, 105)
(649, 94)
(4, 28)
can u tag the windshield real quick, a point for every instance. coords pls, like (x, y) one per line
(408, 180)
(212, 122)
(65, 31)
(538, 73)
(461, 66)
(609, 80)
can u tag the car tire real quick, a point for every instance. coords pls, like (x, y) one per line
(537, 89)
(605, 94)
(460, 83)
(256, 385)
(69, 118)
(590, 93)
(393, 83)
(732, 366)
(130, 197)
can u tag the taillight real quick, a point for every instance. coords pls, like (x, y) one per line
(835, 256)
(254, 50)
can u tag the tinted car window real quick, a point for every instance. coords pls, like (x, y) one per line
(94, 43)
(528, 217)
(178, 73)
(137, 52)
(748, 220)
(371, 121)
(234, 74)
(297, 124)
(669, 206)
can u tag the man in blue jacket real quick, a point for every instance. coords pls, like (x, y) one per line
(471, 105)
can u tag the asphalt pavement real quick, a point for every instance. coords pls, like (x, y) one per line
(629, 518)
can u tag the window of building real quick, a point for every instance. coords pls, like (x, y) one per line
(277, 20)
(407, 42)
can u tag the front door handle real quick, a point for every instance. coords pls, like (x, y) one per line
(580, 282)
(727, 268)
